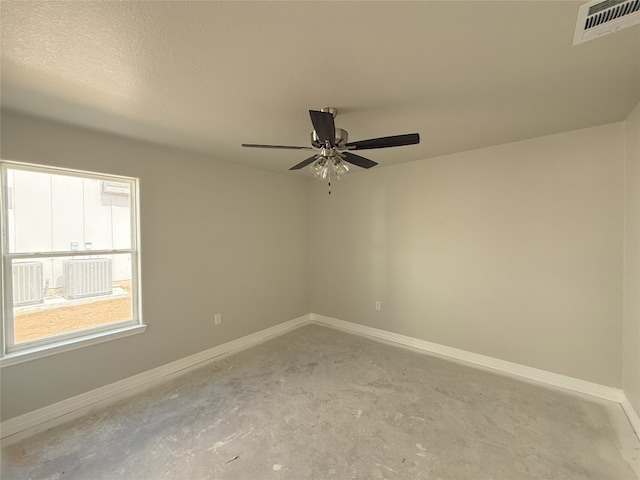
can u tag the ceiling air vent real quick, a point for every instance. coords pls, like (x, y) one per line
(600, 17)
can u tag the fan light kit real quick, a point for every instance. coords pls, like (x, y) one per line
(333, 147)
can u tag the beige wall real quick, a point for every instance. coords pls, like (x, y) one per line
(216, 237)
(512, 251)
(631, 324)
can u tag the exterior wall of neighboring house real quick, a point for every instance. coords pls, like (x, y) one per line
(64, 213)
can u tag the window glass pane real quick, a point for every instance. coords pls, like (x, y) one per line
(53, 296)
(53, 212)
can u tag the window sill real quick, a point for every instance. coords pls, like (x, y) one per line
(68, 345)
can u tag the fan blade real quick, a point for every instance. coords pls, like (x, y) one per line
(384, 142)
(324, 126)
(281, 147)
(358, 160)
(303, 163)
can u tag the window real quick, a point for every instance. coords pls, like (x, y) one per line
(69, 259)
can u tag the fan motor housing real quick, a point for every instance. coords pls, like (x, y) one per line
(342, 137)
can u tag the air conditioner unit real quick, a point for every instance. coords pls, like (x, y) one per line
(601, 17)
(87, 277)
(28, 288)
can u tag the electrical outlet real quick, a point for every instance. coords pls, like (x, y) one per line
(378, 306)
(217, 319)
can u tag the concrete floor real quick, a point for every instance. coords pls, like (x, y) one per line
(317, 403)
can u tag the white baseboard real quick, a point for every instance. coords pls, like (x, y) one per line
(632, 415)
(529, 373)
(17, 428)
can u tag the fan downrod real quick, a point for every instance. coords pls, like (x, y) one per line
(333, 111)
(341, 138)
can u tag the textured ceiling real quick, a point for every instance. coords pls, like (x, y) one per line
(208, 76)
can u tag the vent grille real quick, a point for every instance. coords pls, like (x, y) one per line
(87, 278)
(599, 18)
(27, 283)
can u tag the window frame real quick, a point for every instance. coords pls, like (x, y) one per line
(10, 352)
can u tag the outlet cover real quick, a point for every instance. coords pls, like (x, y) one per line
(217, 318)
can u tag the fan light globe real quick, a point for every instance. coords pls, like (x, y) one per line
(320, 169)
(340, 167)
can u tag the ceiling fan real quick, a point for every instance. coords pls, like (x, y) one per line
(334, 149)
